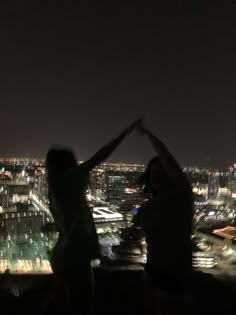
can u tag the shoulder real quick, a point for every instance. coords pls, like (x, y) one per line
(152, 203)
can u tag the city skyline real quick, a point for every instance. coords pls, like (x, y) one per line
(27, 231)
(33, 160)
(76, 76)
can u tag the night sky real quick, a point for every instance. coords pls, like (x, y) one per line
(77, 75)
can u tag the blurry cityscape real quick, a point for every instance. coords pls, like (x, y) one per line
(27, 232)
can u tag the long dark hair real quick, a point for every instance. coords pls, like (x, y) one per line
(144, 180)
(163, 178)
(58, 161)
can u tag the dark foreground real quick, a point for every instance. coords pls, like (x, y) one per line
(119, 292)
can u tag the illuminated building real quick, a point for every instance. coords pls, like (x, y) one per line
(115, 181)
(103, 214)
(97, 181)
(4, 199)
(203, 260)
(21, 221)
(122, 189)
(5, 177)
(131, 250)
(40, 186)
(213, 185)
(18, 188)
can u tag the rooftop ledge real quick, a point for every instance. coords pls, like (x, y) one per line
(26, 293)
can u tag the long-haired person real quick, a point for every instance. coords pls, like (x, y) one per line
(78, 242)
(166, 219)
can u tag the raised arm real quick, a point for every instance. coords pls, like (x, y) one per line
(107, 150)
(171, 166)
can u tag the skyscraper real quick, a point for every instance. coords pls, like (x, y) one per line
(213, 185)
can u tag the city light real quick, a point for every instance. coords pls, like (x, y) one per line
(113, 197)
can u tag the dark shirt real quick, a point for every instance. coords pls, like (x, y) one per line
(167, 223)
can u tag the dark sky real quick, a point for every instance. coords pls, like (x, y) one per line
(76, 75)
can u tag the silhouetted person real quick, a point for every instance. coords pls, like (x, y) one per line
(78, 241)
(166, 219)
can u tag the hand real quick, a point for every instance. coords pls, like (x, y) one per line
(142, 129)
(134, 125)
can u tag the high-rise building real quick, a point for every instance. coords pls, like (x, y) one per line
(97, 181)
(116, 181)
(41, 186)
(20, 223)
(213, 185)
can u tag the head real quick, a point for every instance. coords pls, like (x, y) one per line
(155, 178)
(58, 161)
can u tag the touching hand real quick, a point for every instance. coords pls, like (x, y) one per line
(142, 129)
(134, 125)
